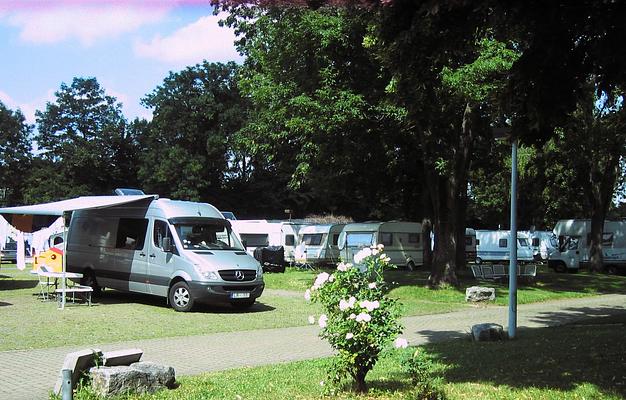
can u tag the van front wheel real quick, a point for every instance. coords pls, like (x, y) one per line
(180, 297)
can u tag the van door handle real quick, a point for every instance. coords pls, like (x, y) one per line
(152, 255)
(142, 254)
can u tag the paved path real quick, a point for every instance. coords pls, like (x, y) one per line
(30, 374)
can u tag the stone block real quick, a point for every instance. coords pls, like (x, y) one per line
(141, 377)
(480, 293)
(79, 362)
(487, 332)
(121, 357)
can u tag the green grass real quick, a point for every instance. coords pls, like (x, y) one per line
(31, 323)
(581, 361)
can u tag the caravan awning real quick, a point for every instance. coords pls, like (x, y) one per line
(29, 218)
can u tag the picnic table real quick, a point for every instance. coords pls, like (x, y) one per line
(500, 271)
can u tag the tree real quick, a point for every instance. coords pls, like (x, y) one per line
(15, 155)
(82, 137)
(189, 149)
(319, 114)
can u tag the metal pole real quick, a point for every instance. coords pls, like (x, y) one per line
(64, 262)
(66, 385)
(513, 244)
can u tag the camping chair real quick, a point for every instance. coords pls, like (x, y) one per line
(45, 284)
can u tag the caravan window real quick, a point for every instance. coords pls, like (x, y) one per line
(503, 243)
(290, 240)
(255, 239)
(386, 238)
(414, 238)
(522, 242)
(359, 239)
(131, 233)
(607, 239)
(206, 235)
(535, 242)
(335, 239)
(312, 239)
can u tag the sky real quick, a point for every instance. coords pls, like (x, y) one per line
(129, 46)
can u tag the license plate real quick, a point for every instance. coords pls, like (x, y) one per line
(239, 295)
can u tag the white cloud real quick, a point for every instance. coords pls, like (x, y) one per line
(28, 108)
(87, 24)
(203, 39)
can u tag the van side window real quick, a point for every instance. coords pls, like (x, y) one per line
(535, 242)
(131, 233)
(386, 238)
(161, 230)
(503, 243)
(290, 240)
(414, 237)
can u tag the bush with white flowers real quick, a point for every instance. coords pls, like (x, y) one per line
(358, 320)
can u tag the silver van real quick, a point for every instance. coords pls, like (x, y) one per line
(184, 251)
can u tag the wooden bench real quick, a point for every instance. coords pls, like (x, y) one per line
(80, 289)
(499, 271)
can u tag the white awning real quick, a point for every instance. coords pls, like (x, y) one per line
(81, 203)
(30, 218)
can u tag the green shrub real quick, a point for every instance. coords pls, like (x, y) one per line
(358, 319)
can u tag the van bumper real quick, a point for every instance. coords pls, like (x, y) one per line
(212, 292)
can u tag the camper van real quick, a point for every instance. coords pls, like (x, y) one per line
(263, 233)
(493, 246)
(402, 240)
(543, 244)
(318, 245)
(183, 251)
(573, 240)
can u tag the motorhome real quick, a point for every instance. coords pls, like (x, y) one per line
(573, 237)
(180, 250)
(318, 245)
(470, 245)
(402, 240)
(263, 233)
(493, 246)
(543, 244)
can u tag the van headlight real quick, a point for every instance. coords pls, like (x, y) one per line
(259, 271)
(207, 274)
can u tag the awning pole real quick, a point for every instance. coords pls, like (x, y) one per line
(64, 263)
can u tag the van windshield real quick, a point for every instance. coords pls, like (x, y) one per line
(358, 239)
(210, 235)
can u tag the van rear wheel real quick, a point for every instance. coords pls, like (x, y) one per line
(180, 297)
(410, 266)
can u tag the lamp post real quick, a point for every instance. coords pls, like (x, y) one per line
(501, 133)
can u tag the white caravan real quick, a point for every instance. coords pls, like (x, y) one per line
(402, 240)
(262, 233)
(318, 244)
(573, 237)
(493, 246)
(470, 245)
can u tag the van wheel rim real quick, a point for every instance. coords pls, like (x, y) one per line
(181, 297)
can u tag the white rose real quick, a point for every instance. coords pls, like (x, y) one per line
(322, 321)
(401, 343)
(349, 335)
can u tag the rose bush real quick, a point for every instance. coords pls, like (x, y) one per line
(359, 320)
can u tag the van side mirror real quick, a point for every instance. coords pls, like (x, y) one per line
(167, 244)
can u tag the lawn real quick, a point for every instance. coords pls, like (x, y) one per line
(120, 316)
(581, 361)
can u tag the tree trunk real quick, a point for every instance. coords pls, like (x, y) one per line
(359, 382)
(600, 191)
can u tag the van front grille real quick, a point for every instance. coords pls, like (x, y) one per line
(238, 275)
